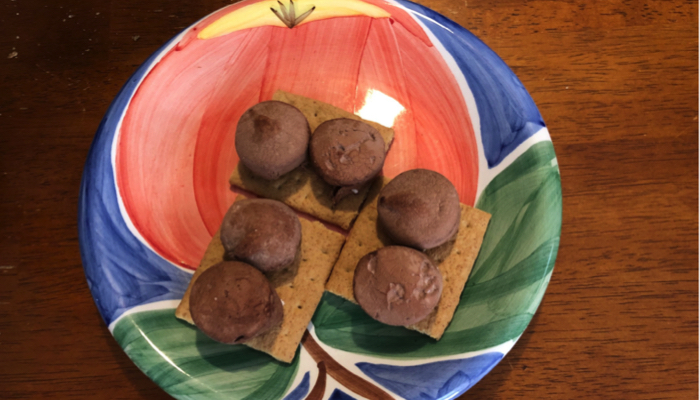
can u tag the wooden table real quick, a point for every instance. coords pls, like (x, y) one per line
(616, 82)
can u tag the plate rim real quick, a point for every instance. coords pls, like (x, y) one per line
(143, 70)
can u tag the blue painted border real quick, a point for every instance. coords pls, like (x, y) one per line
(121, 271)
(432, 381)
(301, 390)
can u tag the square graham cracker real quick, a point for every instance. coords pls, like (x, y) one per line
(318, 112)
(300, 287)
(454, 259)
(303, 189)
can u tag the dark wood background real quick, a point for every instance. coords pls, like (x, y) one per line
(616, 82)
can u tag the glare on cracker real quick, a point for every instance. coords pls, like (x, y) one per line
(380, 108)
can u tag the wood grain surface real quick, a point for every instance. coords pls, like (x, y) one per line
(616, 81)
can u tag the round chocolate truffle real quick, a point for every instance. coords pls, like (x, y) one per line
(346, 152)
(232, 302)
(272, 138)
(419, 208)
(397, 285)
(263, 233)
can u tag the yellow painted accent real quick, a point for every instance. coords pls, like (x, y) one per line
(259, 14)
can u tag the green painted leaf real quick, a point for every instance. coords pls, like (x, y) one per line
(506, 285)
(189, 365)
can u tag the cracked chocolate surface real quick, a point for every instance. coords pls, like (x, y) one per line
(232, 302)
(397, 285)
(346, 152)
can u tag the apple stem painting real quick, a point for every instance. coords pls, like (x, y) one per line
(289, 18)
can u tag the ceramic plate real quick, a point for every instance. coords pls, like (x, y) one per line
(155, 188)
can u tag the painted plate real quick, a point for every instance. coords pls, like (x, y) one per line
(155, 189)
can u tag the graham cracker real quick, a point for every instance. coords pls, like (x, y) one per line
(318, 112)
(362, 239)
(303, 189)
(300, 290)
(455, 259)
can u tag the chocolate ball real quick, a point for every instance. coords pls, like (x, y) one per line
(346, 152)
(263, 233)
(419, 208)
(397, 285)
(232, 302)
(272, 138)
